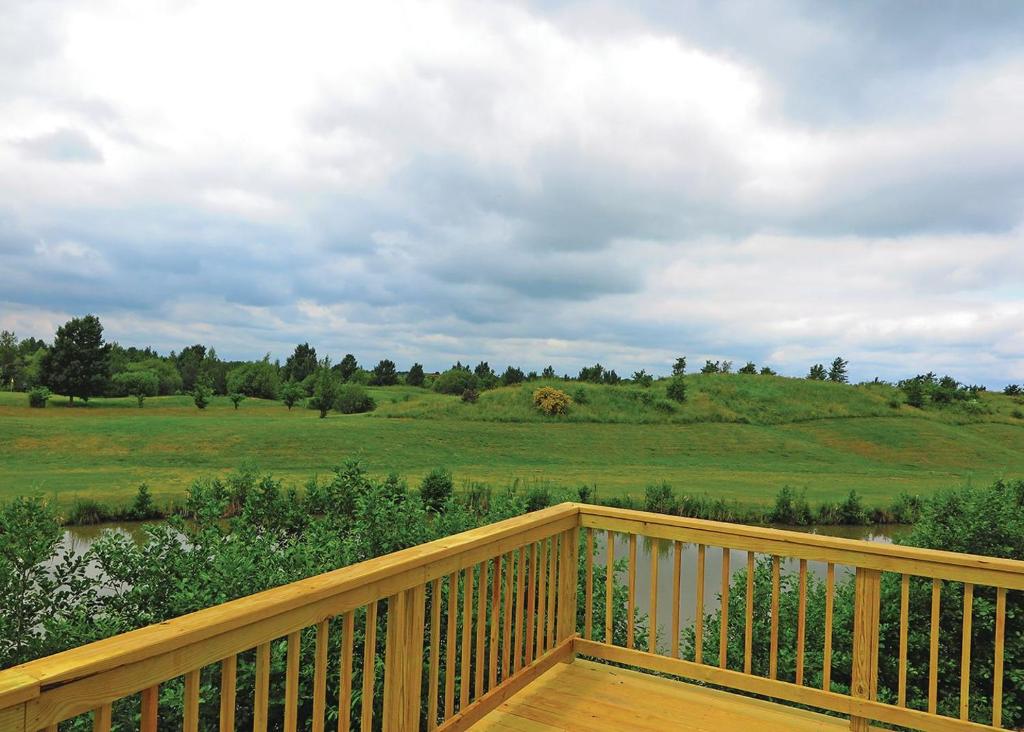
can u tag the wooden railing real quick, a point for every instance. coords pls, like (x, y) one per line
(460, 624)
(861, 699)
(438, 635)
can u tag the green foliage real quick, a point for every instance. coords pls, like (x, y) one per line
(676, 389)
(347, 367)
(259, 379)
(384, 373)
(300, 364)
(354, 399)
(512, 376)
(767, 371)
(579, 395)
(548, 372)
(415, 376)
(748, 368)
(711, 367)
(790, 508)
(76, 364)
(437, 488)
(593, 374)
(642, 379)
(848, 512)
(486, 378)
(679, 367)
(1013, 390)
(817, 373)
(837, 371)
(551, 401)
(168, 379)
(201, 395)
(139, 384)
(38, 397)
(292, 393)
(325, 390)
(236, 398)
(659, 498)
(456, 381)
(470, 396)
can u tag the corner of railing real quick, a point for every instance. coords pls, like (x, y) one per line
(17, 690)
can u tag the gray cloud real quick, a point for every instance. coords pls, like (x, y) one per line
(61, 146)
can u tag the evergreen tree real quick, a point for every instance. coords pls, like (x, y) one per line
(679, 367)
(301, 363)
(837, 372)
(817, 373)
(77, 364)
(415, 377)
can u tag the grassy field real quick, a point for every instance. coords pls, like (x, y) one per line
(737, 437)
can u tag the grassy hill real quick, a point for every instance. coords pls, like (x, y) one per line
(737, 437)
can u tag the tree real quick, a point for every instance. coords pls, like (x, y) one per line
(169, 381)
(837, 372)
(437, 487)
(710, 367)
(259, 379)
(139, 384)
(415, 376)
(485, 375)
(38, 397)
(748, 368)
(594, 374)
(1012, 390)
(325, 392)
(353, 399)
(236, 398)
(676, 389)
(300, 364)
(292, 393)
(642, 378)
(679, 367)
(817, 373)
(548, 372)
(190, 364)
(611, 378)
(384, 373)
(512, 375)
(347, 367)
(455, 381)
(726, 367)
(766, 371)
(201, 393)
(77, 365)
(8, 359)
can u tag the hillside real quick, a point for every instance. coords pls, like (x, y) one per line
(737, 437)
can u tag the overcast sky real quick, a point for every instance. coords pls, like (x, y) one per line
(530, 183)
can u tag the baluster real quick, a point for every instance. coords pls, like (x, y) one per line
(588, 601)
(965, 652)
(319, 677)
(191, 722)
(435, 651)
(631, 605)
(369, 672)
(531, 604)
(151, 705)
(609, 590)
(723, 631)
(864, 673)
(101, 717)
(568, 581)
(904, 623)
(997, 674)
(748, 635)
(677, 569)
(801, 623)
(773, 651)
(933, 658)
(345, 681)
(542, 569)
(698, 622)
(291, 692)
(450, 642)
(465, 670)
(652, 641)
(481, 631)
(830, 598)
(492, 676)
(506, 635)
(520, 587)
(552, 613)
(262, 690)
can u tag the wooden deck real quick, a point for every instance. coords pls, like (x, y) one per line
(584, 695)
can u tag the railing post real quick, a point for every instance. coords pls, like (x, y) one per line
(568, 580)
(864, 674)
(403, 660)
(13, 718)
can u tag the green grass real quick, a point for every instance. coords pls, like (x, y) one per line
(739, 438)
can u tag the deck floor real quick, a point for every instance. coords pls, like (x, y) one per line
(584, 695)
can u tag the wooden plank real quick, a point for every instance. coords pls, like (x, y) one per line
(101, 717)
(552, 611)
(520, 600)
(631, 604)
(945, 565)
(12, 717)
(830, 598)
(698, 621)
(997, 674)
(542, 594)
(748, 627)
(191, 711)
(228, 683)
(506, 634)
(435, 653)
(465, 669)
(348, 631)
(609, 590)
(864, 674)
(481, 631)
(150, 708)
(588, 589)
(965, 651)
(466, 718)
(723, 630)
(492, 667)
(773, 648)
(291, 683)
(319, 676)
(568, 582)
(652, 613)
(933, 656)
(369, 667)
(261, 701)
(901, 693)
(801, 623)
(677, 571)
(403, 660)
(531, 603)
(450, 638)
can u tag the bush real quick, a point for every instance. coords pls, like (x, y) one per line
(790, 508)
(436, 488)
(236, 398)
(201, 395)
(384, 373)
(538, 497)
(353, 399)
(664, 406)
(470, 396)
(139, 384)
(551, 401)
(1017, 414)
(676, 389)
(38, 397)
(259, 379)
(580, 396)
(642, 378)
(660, 498)
(456, 381)
(293, 392)
(143, 508)
(906, 509)
(415, 376)
(326, 387)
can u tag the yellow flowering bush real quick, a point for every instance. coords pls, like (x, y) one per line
(551, 401)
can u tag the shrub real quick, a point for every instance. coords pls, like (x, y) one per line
(292, 393)
(580, 396)
(415, 375)
(906, 509)
(665, 406)
(676, 389)
(1017, 414)
(470, 396)
(236, 398)
(353, 399)
(139, 384)
(456, 381)
(748, 368)
(201, 395)
(512, 375)
(143, 508)
(551, 401)
(384, 373)
(768, 371)
(660, 498)
(259, 379)
(436, 488)
(790, 508)
(538, 497)
(642, 378)
(326, 388)
(38, 397)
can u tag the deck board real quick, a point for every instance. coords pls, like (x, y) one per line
(585, 695)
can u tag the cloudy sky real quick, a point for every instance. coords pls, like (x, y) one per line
(523, 182)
